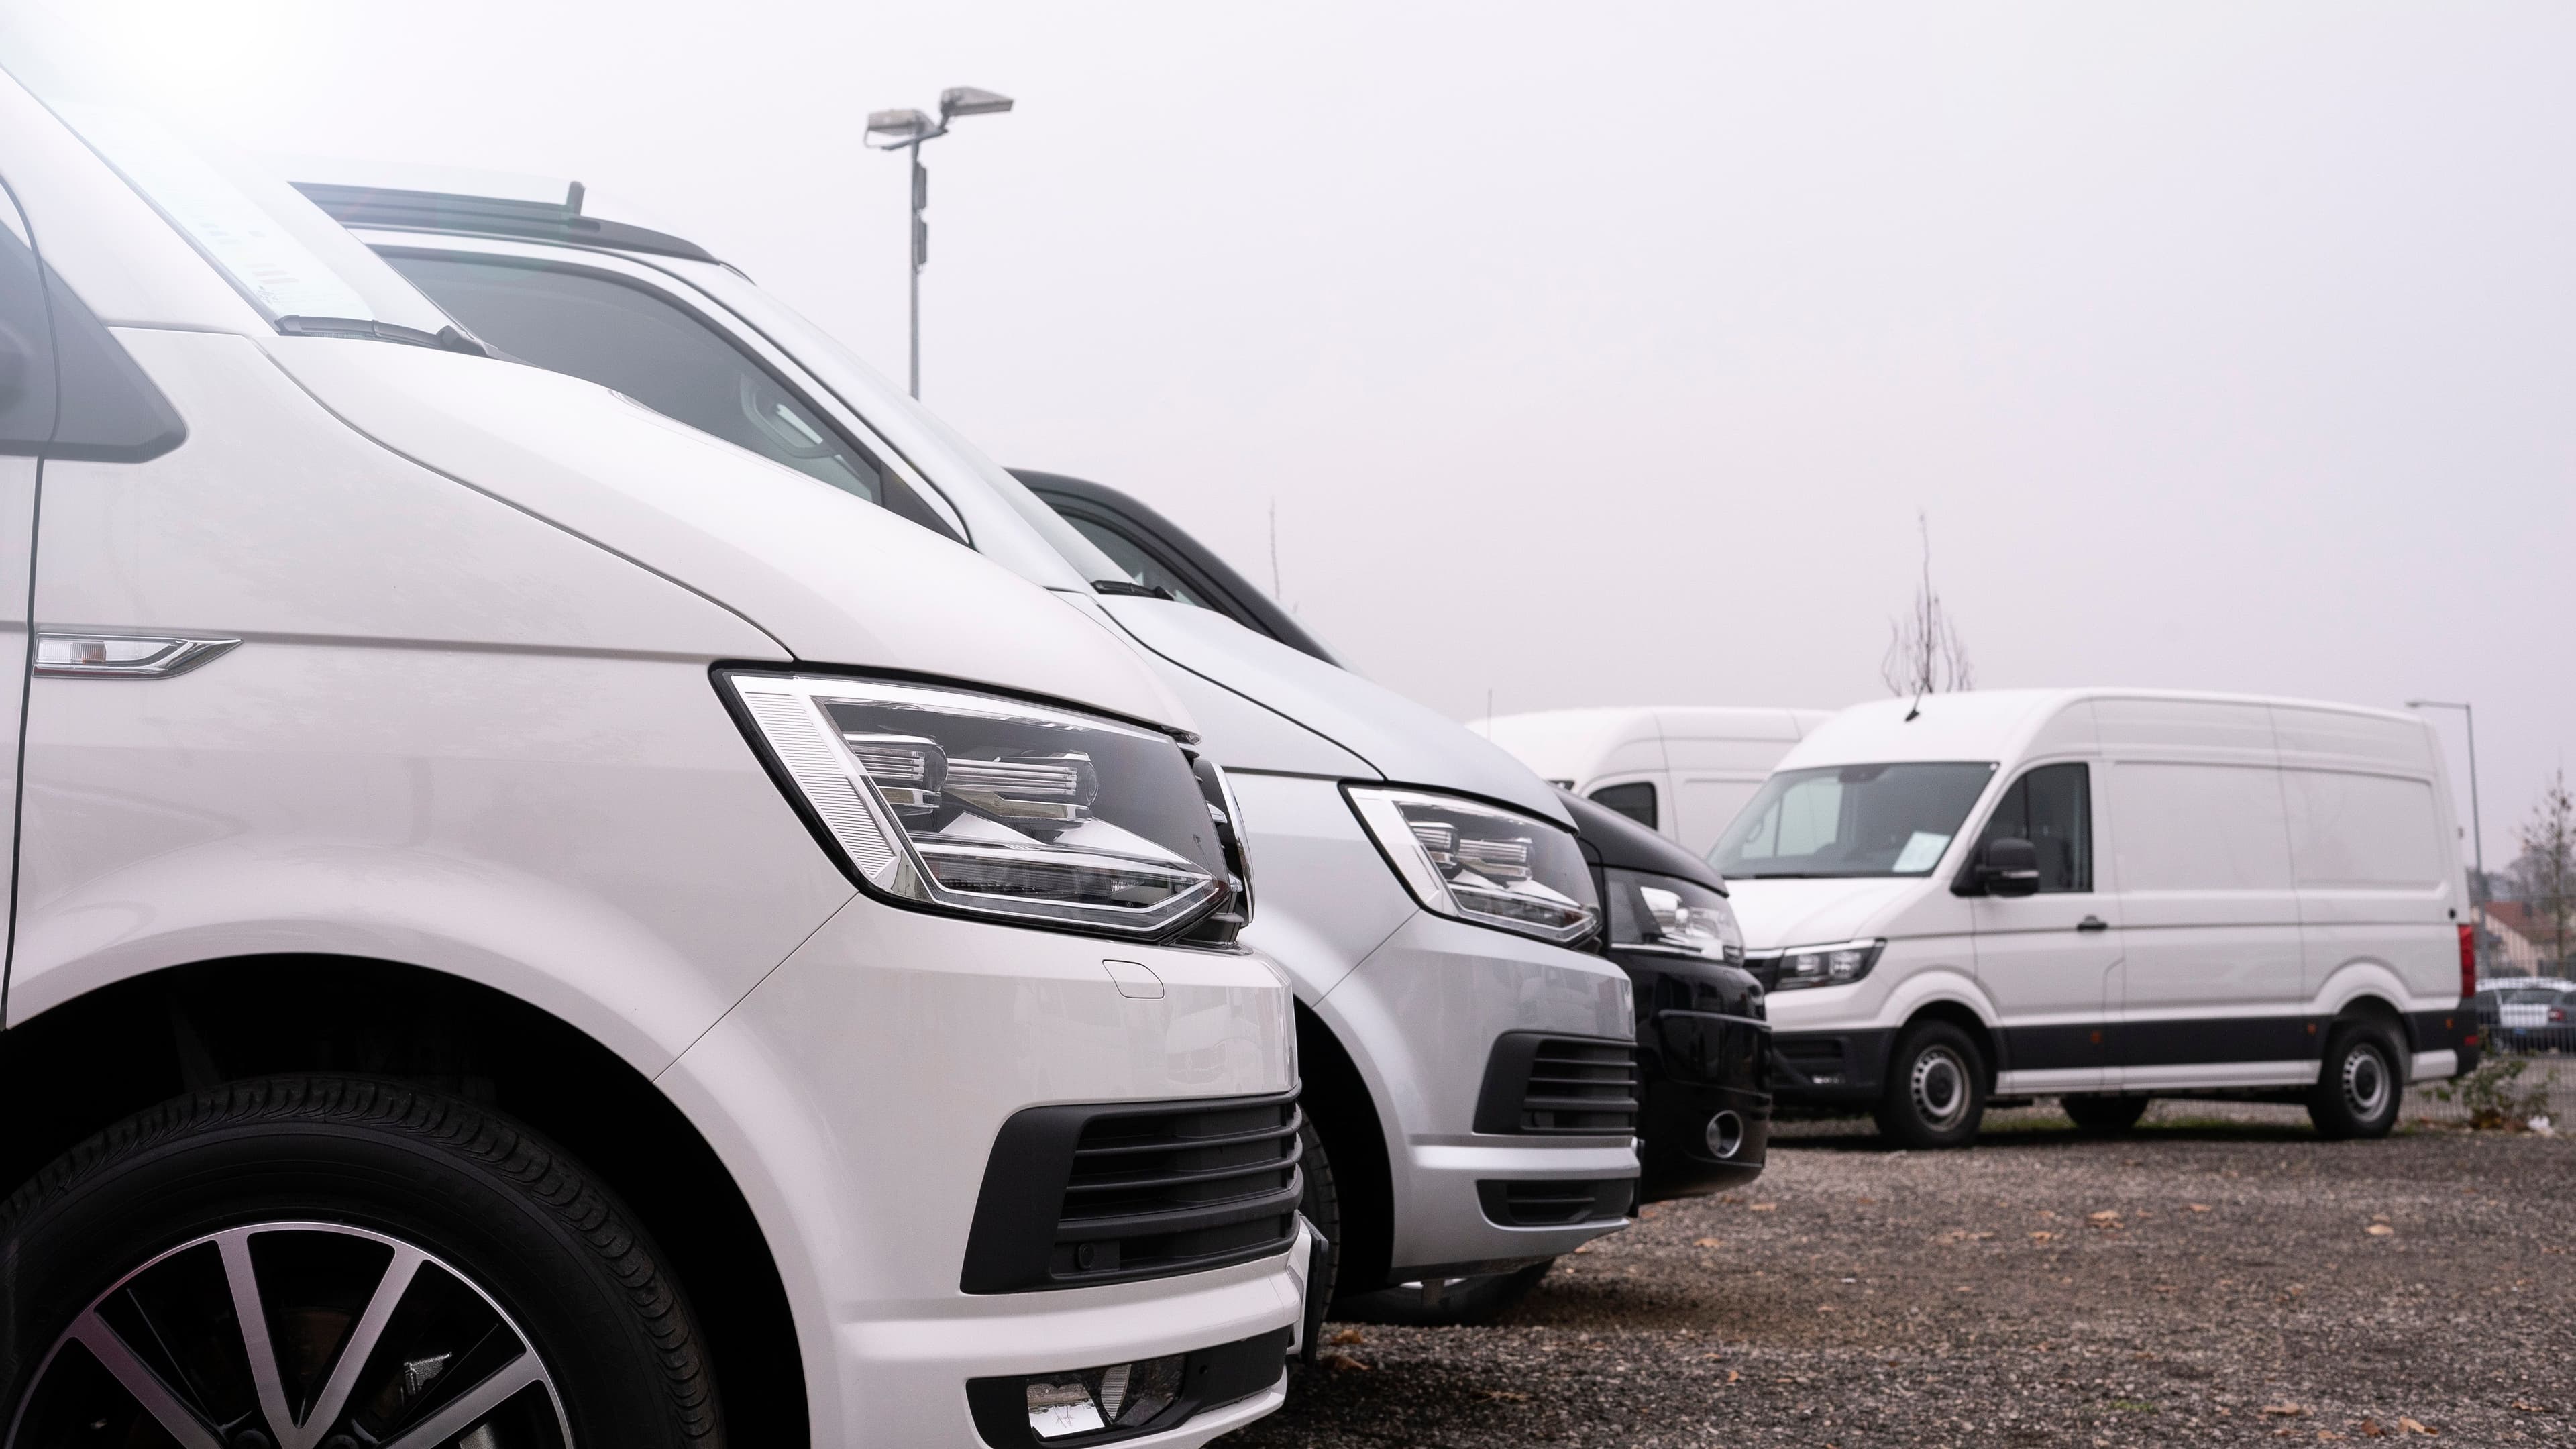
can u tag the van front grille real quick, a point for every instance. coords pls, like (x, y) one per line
(1556, 1086)
(1077, 1195)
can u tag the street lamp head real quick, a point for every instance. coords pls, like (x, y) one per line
(889, 129)
(971, 101)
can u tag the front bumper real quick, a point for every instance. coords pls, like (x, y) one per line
(856, 1094)
(1836, 1068)
(1704, 1052)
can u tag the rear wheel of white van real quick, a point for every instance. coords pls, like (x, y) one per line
(1936, 1088)
(338, 1263)
(2362, 1082)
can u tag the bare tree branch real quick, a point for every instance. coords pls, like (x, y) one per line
(1924, 652)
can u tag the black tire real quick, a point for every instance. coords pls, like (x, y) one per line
(322, 1193)
(2361, 1084)
(1470, 1301)
(1322, 1205)
(2099, 1116)
(1936, 1089)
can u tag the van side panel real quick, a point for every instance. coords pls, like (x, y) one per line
(2379, 882)
(2213, 969)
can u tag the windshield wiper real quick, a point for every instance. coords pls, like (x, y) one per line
(1132, 589)
(450, 338)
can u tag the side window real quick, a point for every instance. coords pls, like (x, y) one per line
(625, 337)
(1635, 799)
(1135, 561)
(2052, 808)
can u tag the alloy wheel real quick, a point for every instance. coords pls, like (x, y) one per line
(293, 1335)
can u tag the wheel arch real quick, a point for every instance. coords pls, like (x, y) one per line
(89, 1061)
(1966, 1018)
(1337, 1099)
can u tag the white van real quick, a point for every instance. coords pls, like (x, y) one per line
(1683, 770)
(1469, 1067)
(2108, 896)
(518, 943)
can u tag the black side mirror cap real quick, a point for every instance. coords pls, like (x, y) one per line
(2008, 866)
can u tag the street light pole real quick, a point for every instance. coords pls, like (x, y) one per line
(889, 130)
(2477, 826)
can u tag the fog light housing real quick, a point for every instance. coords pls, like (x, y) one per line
(1086, 1401)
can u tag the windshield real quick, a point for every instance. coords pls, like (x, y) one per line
(1850, 820)
(300, 269)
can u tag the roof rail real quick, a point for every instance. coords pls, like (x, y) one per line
(441, 211)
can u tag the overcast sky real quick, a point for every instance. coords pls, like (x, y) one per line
(1605, 354)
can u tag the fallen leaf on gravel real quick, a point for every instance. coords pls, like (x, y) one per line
(2370, 1429)
(1708, 1243)
(1340, 1362)
(2409, 1426)
(2286, 1410)
(2530, 1408)
(2042, 1236)
(2198, 1207)
(2380, 1230)
(1732, 1376)
(1766, 1207)
(1584, 1248)
(1508, 1396)
(2107, 1215)
(1347, 1335)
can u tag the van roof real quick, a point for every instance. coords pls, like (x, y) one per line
(1575, 744)
(2004, 724)
(400, 196)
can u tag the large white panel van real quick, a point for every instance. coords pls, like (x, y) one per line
(2108, 896)
(1683, 770)
(533, 927)
(1469, 1066)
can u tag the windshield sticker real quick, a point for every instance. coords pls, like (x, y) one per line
(228, 226)
(1921, 853)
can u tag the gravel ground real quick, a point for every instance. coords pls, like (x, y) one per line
(2218, 1276)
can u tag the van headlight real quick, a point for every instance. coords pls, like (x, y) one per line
(1662, 913)
(1482, 863)
(956, 800)
(1839, 964)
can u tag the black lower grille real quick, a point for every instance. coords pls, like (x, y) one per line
(1076, 1195)
(1548, 1204)
(1554, 1085)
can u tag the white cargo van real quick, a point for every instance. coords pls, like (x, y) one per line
(1683, 770)
(2106, 895)
(537, 929)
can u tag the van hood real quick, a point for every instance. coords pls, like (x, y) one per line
(1778, 913)
(832, 578)
(1397, 738)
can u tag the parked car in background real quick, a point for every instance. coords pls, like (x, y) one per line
(1467, 1059)
(1684, 771)
(1700, 1033)
(2106, 896)
(2527, 1014)
(1703, 1044)
(534, 927)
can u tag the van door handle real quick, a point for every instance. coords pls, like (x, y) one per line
(2092, 923)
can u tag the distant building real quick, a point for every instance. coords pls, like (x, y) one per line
(2510, 947)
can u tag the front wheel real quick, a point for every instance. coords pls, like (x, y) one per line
(338, 1263)
(1936, 1089)
(2361, 1084)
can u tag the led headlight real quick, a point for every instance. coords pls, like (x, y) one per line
(1660, 913)
(975, 803)
(1835, 965)
(1482, 863)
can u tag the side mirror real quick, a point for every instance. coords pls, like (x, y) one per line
(2008, 866)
